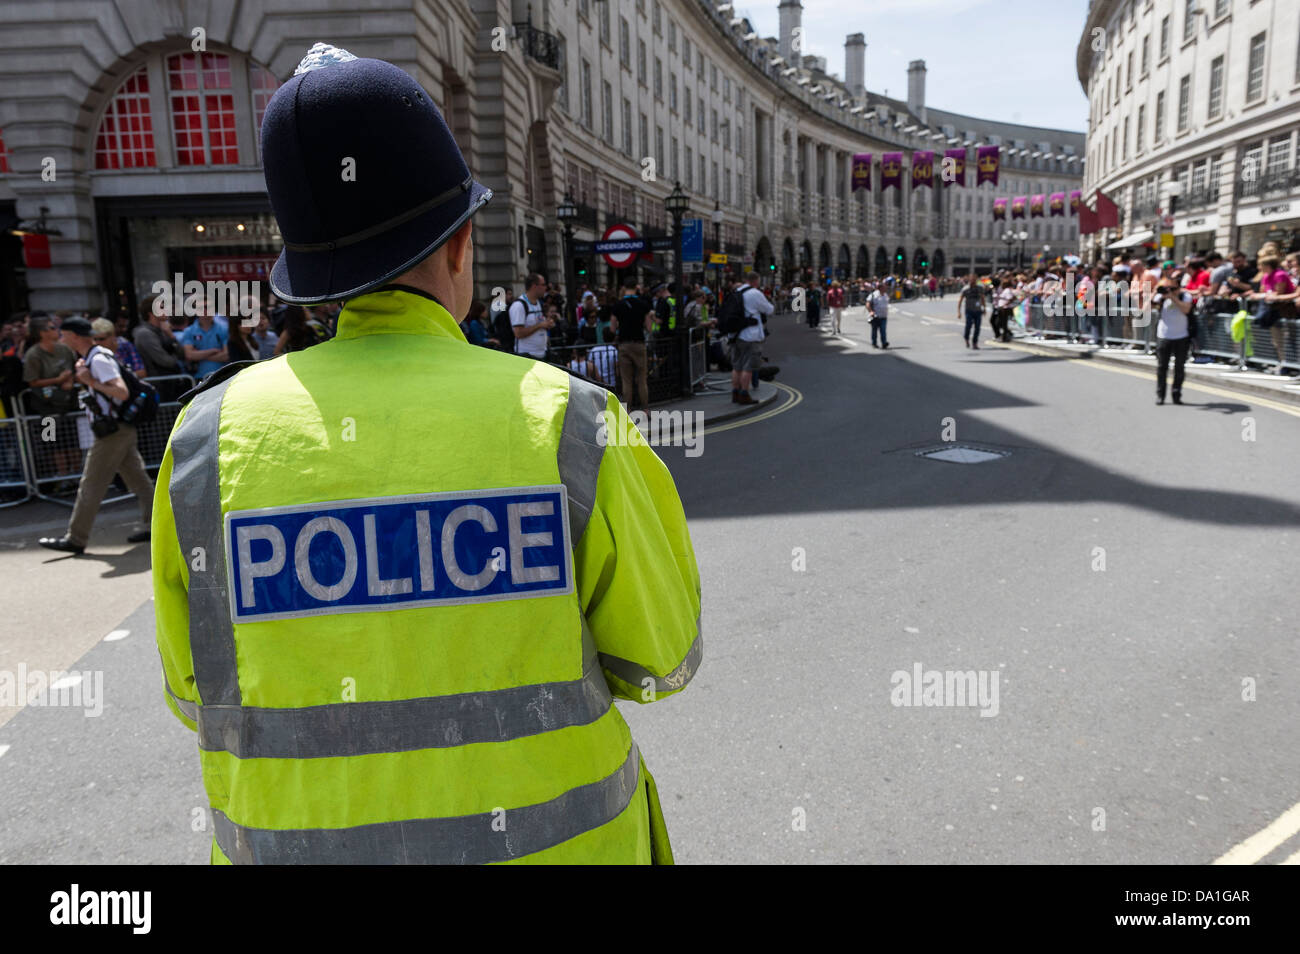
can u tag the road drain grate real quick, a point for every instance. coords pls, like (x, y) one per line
(962, 454)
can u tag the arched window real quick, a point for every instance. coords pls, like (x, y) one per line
(211, 100)
(125, 138)
(263, 84)
(203, 109)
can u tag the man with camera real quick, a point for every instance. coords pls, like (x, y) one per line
(1172, 335)
(114, 450)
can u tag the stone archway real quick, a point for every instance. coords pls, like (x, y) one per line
(763, 257)
(864, 262)
(939, 263)
(882, 262)
(919, 262)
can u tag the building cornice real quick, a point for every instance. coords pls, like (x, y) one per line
(1098, 13)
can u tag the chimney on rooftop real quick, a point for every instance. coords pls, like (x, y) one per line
(916, 88)
(855, 64)
(791, 12)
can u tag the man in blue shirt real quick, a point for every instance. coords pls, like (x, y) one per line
(204, 342)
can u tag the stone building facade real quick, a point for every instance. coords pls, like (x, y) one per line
(144, 117)
(1205, 95)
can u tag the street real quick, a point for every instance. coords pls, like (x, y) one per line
(1116, 573)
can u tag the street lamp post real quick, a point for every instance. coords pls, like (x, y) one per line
(1023, 236)
(1172, 189)
(567, 212)
(717, 241)
(677, 204)
(1009, 239)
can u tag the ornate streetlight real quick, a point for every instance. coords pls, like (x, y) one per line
(567, 212)
(677, 204)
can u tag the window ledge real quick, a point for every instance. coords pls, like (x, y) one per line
(1256, 103)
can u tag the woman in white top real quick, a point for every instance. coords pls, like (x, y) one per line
(1172, 338)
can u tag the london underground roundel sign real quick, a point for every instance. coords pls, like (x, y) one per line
(620, 245)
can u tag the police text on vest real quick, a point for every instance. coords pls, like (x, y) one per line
(387, 553)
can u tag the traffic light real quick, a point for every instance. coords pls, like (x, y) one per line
(772, 267)
(580, 266)
(924, 263)
(899, 256)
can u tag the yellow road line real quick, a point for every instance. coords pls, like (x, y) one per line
(1148, 376)
(1261, 843)
(796, 397)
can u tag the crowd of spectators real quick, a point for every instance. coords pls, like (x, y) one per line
(177, 349)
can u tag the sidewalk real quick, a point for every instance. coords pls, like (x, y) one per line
(715, 402)
(1279, 387)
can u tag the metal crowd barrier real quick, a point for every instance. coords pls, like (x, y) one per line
(15, 483)
(1213, 337)
(53, 447)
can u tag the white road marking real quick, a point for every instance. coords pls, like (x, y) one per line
(1293, 860)
(1261, 843)
(67, 682)
(3, 750)
(117, 634)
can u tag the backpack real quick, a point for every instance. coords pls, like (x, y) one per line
(731, 314)
(141, 404)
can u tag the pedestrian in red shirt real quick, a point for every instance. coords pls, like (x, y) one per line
(835, 302)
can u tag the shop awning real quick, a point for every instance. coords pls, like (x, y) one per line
(1137, 238)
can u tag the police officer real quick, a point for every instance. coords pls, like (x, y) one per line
(398, 578)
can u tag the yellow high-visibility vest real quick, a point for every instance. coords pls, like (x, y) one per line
(398, 580)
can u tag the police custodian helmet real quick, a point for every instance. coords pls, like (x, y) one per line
(364, 176)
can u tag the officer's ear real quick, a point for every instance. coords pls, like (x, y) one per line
(458, 248)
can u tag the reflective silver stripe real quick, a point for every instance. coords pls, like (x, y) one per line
(365, 728)
(635, 674)
(464, 839)
(579, 454)
(188, 709)
(195, 492)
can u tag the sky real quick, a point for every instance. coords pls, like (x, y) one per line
(1005, 60)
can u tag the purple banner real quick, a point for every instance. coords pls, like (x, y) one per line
(1036, 203)
(1076, 196)
(891, 170)
(1018, 207)
(861, 176)
(986, 165)
(1057, 203)
(922, 168)
(999, 208)
(954, 167)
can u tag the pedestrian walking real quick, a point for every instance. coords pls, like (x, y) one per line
(114, 449)
(878, 317)
(1172, 337)
(835, 302)
(971, 302)
(426, 568)
(747, 348)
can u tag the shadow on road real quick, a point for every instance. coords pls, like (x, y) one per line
(840, 450)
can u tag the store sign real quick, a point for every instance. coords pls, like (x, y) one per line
(717, 258)
(36, 251)
(1196, 223)
(235, 232)
(1269, 212)
(235, 267)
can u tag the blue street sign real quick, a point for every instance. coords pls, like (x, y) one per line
(692, 240)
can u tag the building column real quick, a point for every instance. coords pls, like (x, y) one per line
(1225, 236)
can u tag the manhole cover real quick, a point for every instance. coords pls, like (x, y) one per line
(961, 454)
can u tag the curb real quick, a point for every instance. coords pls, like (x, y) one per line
(741, 412)
(1220, 377)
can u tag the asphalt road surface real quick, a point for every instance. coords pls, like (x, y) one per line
(1116, 577)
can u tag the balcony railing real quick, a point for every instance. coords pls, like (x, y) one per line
(539, 45)
(1272, 182)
